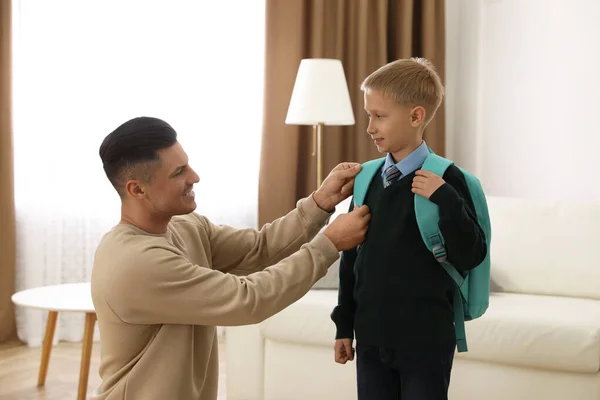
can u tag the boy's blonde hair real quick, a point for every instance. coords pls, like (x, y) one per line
(410, 82)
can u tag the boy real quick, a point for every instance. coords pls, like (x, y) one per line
(394, 296)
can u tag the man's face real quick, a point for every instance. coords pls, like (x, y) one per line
(171, 192)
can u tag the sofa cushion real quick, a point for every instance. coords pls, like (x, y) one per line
(547, 332)
(306, 321)
(556, 333)
(545, 247)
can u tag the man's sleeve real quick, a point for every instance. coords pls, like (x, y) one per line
(343, 313)
(466, 245)
(160, 286)
(243, 251)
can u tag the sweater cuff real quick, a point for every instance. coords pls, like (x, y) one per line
(343, 324)
(312, 213)
(344, 333)
(446, 197)
(327, 248)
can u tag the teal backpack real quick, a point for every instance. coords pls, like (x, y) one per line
(472, 289)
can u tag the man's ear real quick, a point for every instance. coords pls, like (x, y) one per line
(135, 189)
(417, 116)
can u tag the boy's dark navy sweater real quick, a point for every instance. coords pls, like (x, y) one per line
(393, 293)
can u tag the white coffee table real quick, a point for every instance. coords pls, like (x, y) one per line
(70, 297)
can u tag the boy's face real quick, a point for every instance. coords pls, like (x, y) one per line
(394, 128)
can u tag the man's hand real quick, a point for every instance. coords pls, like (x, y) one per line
(348, 230)
(426, 182)
(344, 351)
(337, 186)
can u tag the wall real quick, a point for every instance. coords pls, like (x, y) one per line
(523, 95)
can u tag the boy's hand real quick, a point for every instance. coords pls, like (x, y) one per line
(344, 351)
(426, 183)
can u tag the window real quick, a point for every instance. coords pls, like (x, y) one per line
(83, 68)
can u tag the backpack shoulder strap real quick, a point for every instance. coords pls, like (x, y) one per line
(364, 178)
(436, 164)
(428, 218)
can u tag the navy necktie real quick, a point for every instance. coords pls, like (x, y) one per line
(392, 174)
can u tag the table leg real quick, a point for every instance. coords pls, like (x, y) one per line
(47, 347)
(86, 354)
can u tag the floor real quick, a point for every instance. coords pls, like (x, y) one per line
(19, 366)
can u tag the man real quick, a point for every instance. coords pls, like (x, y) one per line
(164, 277)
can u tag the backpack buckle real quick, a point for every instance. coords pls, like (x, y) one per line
(437, 248)
(439, 252)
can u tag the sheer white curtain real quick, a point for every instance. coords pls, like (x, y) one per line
(81, 68)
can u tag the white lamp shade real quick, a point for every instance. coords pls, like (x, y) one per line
(320, 94)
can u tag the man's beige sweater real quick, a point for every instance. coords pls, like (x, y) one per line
(158, 297)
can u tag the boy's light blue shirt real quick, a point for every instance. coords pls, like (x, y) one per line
(409, 164)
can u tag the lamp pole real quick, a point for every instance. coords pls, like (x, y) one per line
(318, 151)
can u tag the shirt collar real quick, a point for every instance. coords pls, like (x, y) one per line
(410, 163)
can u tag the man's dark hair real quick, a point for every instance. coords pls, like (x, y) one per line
(131, 150)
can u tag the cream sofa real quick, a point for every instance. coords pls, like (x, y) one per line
(540, 338)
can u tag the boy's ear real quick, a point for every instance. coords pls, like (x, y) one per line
(417, 116)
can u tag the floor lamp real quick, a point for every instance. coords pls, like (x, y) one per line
(320, 98)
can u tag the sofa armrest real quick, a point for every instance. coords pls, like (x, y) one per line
(244, 352)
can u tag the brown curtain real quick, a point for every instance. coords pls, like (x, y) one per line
(7, 206)
(364, 34)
